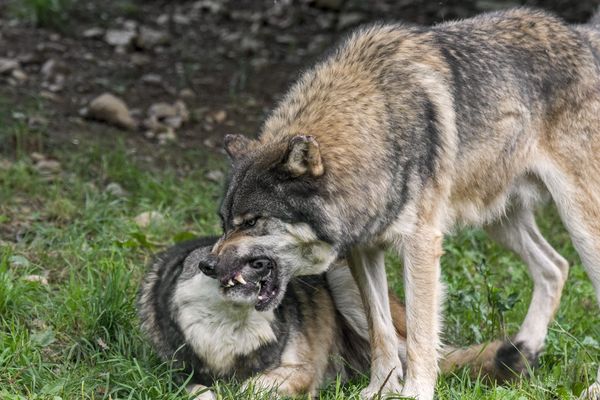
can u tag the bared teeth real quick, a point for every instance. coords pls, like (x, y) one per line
(261, 297)
(239, 278)
(230, 283)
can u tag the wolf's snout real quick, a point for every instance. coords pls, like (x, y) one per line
(261, 264)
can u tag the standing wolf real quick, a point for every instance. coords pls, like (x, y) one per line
(404, 132)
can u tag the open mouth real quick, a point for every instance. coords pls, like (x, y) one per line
(260, 281)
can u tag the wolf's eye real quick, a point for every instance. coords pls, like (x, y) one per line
(249, 223)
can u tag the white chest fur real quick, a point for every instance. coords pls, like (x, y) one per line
(218, 330)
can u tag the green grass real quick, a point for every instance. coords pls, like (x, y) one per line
(78, 337)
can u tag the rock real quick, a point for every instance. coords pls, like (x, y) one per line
(215, 176)
(147, 218)
(148, 38)
(111, 109)
(8, 65)
(162, 116)
(120, 37)
(114, 189)
(346, 20)
(93, 33)
(19, 75)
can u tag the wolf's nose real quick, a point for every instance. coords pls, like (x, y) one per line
(261, 264)
(208, 268)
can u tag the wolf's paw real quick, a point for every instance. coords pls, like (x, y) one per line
(201, 392)
(263, 384)
(391, 389)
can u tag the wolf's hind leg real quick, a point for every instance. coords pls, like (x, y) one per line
(548, 269)
(574, 184)
(368, 269)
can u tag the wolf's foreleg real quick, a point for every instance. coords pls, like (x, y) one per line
(202, 392)
(422, 252)
(368, 268)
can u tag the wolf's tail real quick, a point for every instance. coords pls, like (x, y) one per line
(499, 361)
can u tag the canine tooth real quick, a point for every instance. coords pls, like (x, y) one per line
(230, 283)
(261, 298)
(240, 279)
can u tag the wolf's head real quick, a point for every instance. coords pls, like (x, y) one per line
(273, 217)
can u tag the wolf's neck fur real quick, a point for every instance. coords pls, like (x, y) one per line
(217, 330)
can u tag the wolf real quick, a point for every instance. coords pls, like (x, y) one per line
(317, 333)
(402, 133)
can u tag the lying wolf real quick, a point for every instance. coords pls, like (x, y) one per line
(317, 333)
(404, 132)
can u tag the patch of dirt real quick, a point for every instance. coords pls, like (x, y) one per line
(228, 61)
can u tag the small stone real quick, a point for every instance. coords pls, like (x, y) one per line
(48, 167)
(149, 38)
(153, 79)
(93, 33)
(187, 94)
(119, 37)
(115, 189)
(168, 135)
(163, 115)
(140, 60)
(109, 108)
(220, 116)
(147, 218)
(7, 65)
(215, 176)
(102, 344)
(37, 121)
(181, 19)
(36, 278)
(19, 75)
(45, 94)
(35, 156)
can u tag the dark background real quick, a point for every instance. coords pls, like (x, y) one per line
(232, 59)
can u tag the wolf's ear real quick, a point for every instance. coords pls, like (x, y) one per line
(304, 157)
(236, 145)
